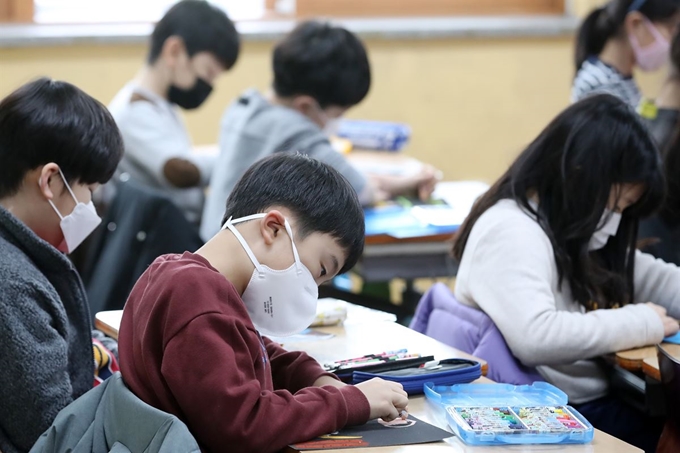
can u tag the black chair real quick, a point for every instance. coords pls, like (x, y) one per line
(670, 379)
(140, 225)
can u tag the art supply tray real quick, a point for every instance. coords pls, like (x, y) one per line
(502, 414)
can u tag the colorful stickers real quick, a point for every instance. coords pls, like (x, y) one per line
(517, 420)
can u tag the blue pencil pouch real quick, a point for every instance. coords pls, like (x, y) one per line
(442, 372)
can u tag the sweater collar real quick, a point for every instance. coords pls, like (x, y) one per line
(44, 255)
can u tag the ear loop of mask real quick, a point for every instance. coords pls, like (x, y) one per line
(230, 224)
(69, 191)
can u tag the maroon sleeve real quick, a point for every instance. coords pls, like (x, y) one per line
(226, 407)
(293, 370)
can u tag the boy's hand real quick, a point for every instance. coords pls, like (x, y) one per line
(387, 399)
(327, 380)
(426, 180)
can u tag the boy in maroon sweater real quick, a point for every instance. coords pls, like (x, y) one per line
(190, 341)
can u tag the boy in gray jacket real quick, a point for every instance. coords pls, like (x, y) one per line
(57, 145)
(320, 71)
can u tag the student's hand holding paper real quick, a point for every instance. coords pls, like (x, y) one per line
(426, 181)
(387, 399)
(670, 325)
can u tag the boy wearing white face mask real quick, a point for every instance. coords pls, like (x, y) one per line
(617, 37)
(57, 145)
(190, 47)
(320, 72)
(549, 255)
(190, 340)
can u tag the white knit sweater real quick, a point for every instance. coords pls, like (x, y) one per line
(509, 271)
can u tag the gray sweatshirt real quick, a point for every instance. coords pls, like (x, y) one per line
(46, 356)
(252, 129)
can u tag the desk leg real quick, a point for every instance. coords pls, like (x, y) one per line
(409, 299)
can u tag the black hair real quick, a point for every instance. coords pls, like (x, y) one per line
(606, 22)
(321, 199)
(571, 167)
(203, 28)
(51, 121)
(322, 61)
(670, 213)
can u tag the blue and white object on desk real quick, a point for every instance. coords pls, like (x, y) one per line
(375, 135)
(401, 222)
(675, 339)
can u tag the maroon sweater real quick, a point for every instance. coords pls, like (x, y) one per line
(187, 346)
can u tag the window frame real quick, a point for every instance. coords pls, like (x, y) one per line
(23, 11)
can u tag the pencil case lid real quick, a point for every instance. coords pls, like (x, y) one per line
(442, 372)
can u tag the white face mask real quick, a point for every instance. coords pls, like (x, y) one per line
(608, 226)
(330, 125)
(280, 302)
(79, 224)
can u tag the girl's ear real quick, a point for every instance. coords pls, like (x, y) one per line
(634, 24)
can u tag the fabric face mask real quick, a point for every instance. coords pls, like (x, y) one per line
(79, 224)
(653, 56)
(280, 302)
(608, 226)
(191, 98)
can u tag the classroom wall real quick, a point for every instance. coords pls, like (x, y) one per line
(472, 103)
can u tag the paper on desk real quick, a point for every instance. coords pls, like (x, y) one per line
(675, 339)
(377, 433)
(305, 335)
(460, 194)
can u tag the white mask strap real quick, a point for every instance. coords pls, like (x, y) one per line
(67, 186)
(292, 242)
(69, 191)
(230, 224)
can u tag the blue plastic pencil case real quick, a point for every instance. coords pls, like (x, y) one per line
(459, 401)
(442, 372)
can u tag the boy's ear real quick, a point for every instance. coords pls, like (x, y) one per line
(271, 226)
(173, 50)
(48, 177)
(306, 105)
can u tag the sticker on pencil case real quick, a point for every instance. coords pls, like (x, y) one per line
(500, 420)
(549, 419)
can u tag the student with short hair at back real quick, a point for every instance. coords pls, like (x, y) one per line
(320, 72)
(57, 145)
(190, 338)
(190, 47)
(549, 254)
(617, 37)
(660, 234)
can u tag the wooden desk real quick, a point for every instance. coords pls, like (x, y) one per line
(645, 359)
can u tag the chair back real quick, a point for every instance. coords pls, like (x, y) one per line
(441, 316)
(669, 367)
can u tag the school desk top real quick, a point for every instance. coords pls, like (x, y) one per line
(356, 338)
(645, 359)
(399, 224)
(367, 331)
